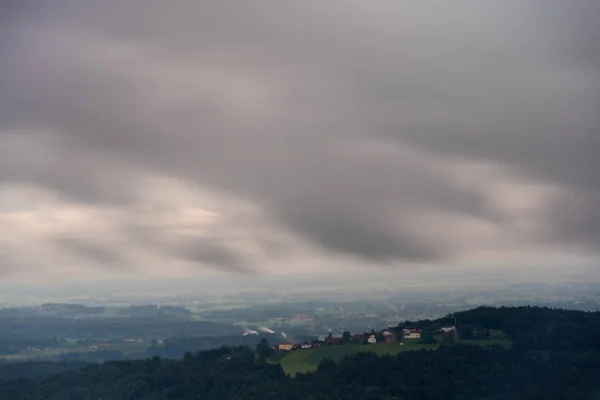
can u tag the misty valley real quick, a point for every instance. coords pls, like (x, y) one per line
(304, 350)
(294, 340)
(191, 322)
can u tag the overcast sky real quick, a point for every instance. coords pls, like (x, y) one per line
(186, 137)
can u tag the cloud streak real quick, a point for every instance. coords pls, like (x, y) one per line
(305, 133)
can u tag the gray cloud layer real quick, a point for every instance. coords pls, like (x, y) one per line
(385, 131)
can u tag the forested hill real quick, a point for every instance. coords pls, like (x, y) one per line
(556, 355)
(538, 328)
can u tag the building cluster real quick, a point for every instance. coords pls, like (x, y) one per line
(412, 333)
(386, 336)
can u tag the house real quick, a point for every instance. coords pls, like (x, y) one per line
(412, 333)
(358, 337)
(285, 346)
(306, 345)
(332, 340)
(447, 329)
(372, 339)
(388, 337)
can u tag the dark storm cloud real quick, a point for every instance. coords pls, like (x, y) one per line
(92, 251)
(341, 120)
(368, 238)
(213, 254)
(80, 174)
(544, 124)
(208, 251)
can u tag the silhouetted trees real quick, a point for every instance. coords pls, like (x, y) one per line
(263, 350)
(346, 337)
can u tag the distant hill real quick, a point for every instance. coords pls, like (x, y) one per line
(59, 310)
(154, 311)
(64, 310)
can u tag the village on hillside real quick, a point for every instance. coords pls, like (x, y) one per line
(443, 335)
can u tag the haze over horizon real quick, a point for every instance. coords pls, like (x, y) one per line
(145, 139)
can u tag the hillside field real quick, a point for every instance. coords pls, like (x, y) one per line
(309, 359)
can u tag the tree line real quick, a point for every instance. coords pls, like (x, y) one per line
(542, 364)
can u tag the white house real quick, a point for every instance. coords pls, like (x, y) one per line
(372, 339)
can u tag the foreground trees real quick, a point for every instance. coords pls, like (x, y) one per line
(541, 365)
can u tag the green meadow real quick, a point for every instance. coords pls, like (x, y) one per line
(301, 361)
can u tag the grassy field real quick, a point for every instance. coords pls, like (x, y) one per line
(300, 361)
(308, 360)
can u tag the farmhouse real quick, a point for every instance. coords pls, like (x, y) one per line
(358, 337)
(388, 337)
(332, 340)
(286, 346)
(412, 333)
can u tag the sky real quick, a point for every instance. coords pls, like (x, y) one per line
(190, 138)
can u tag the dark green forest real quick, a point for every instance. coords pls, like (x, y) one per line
(44, 331)
(555, 355)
